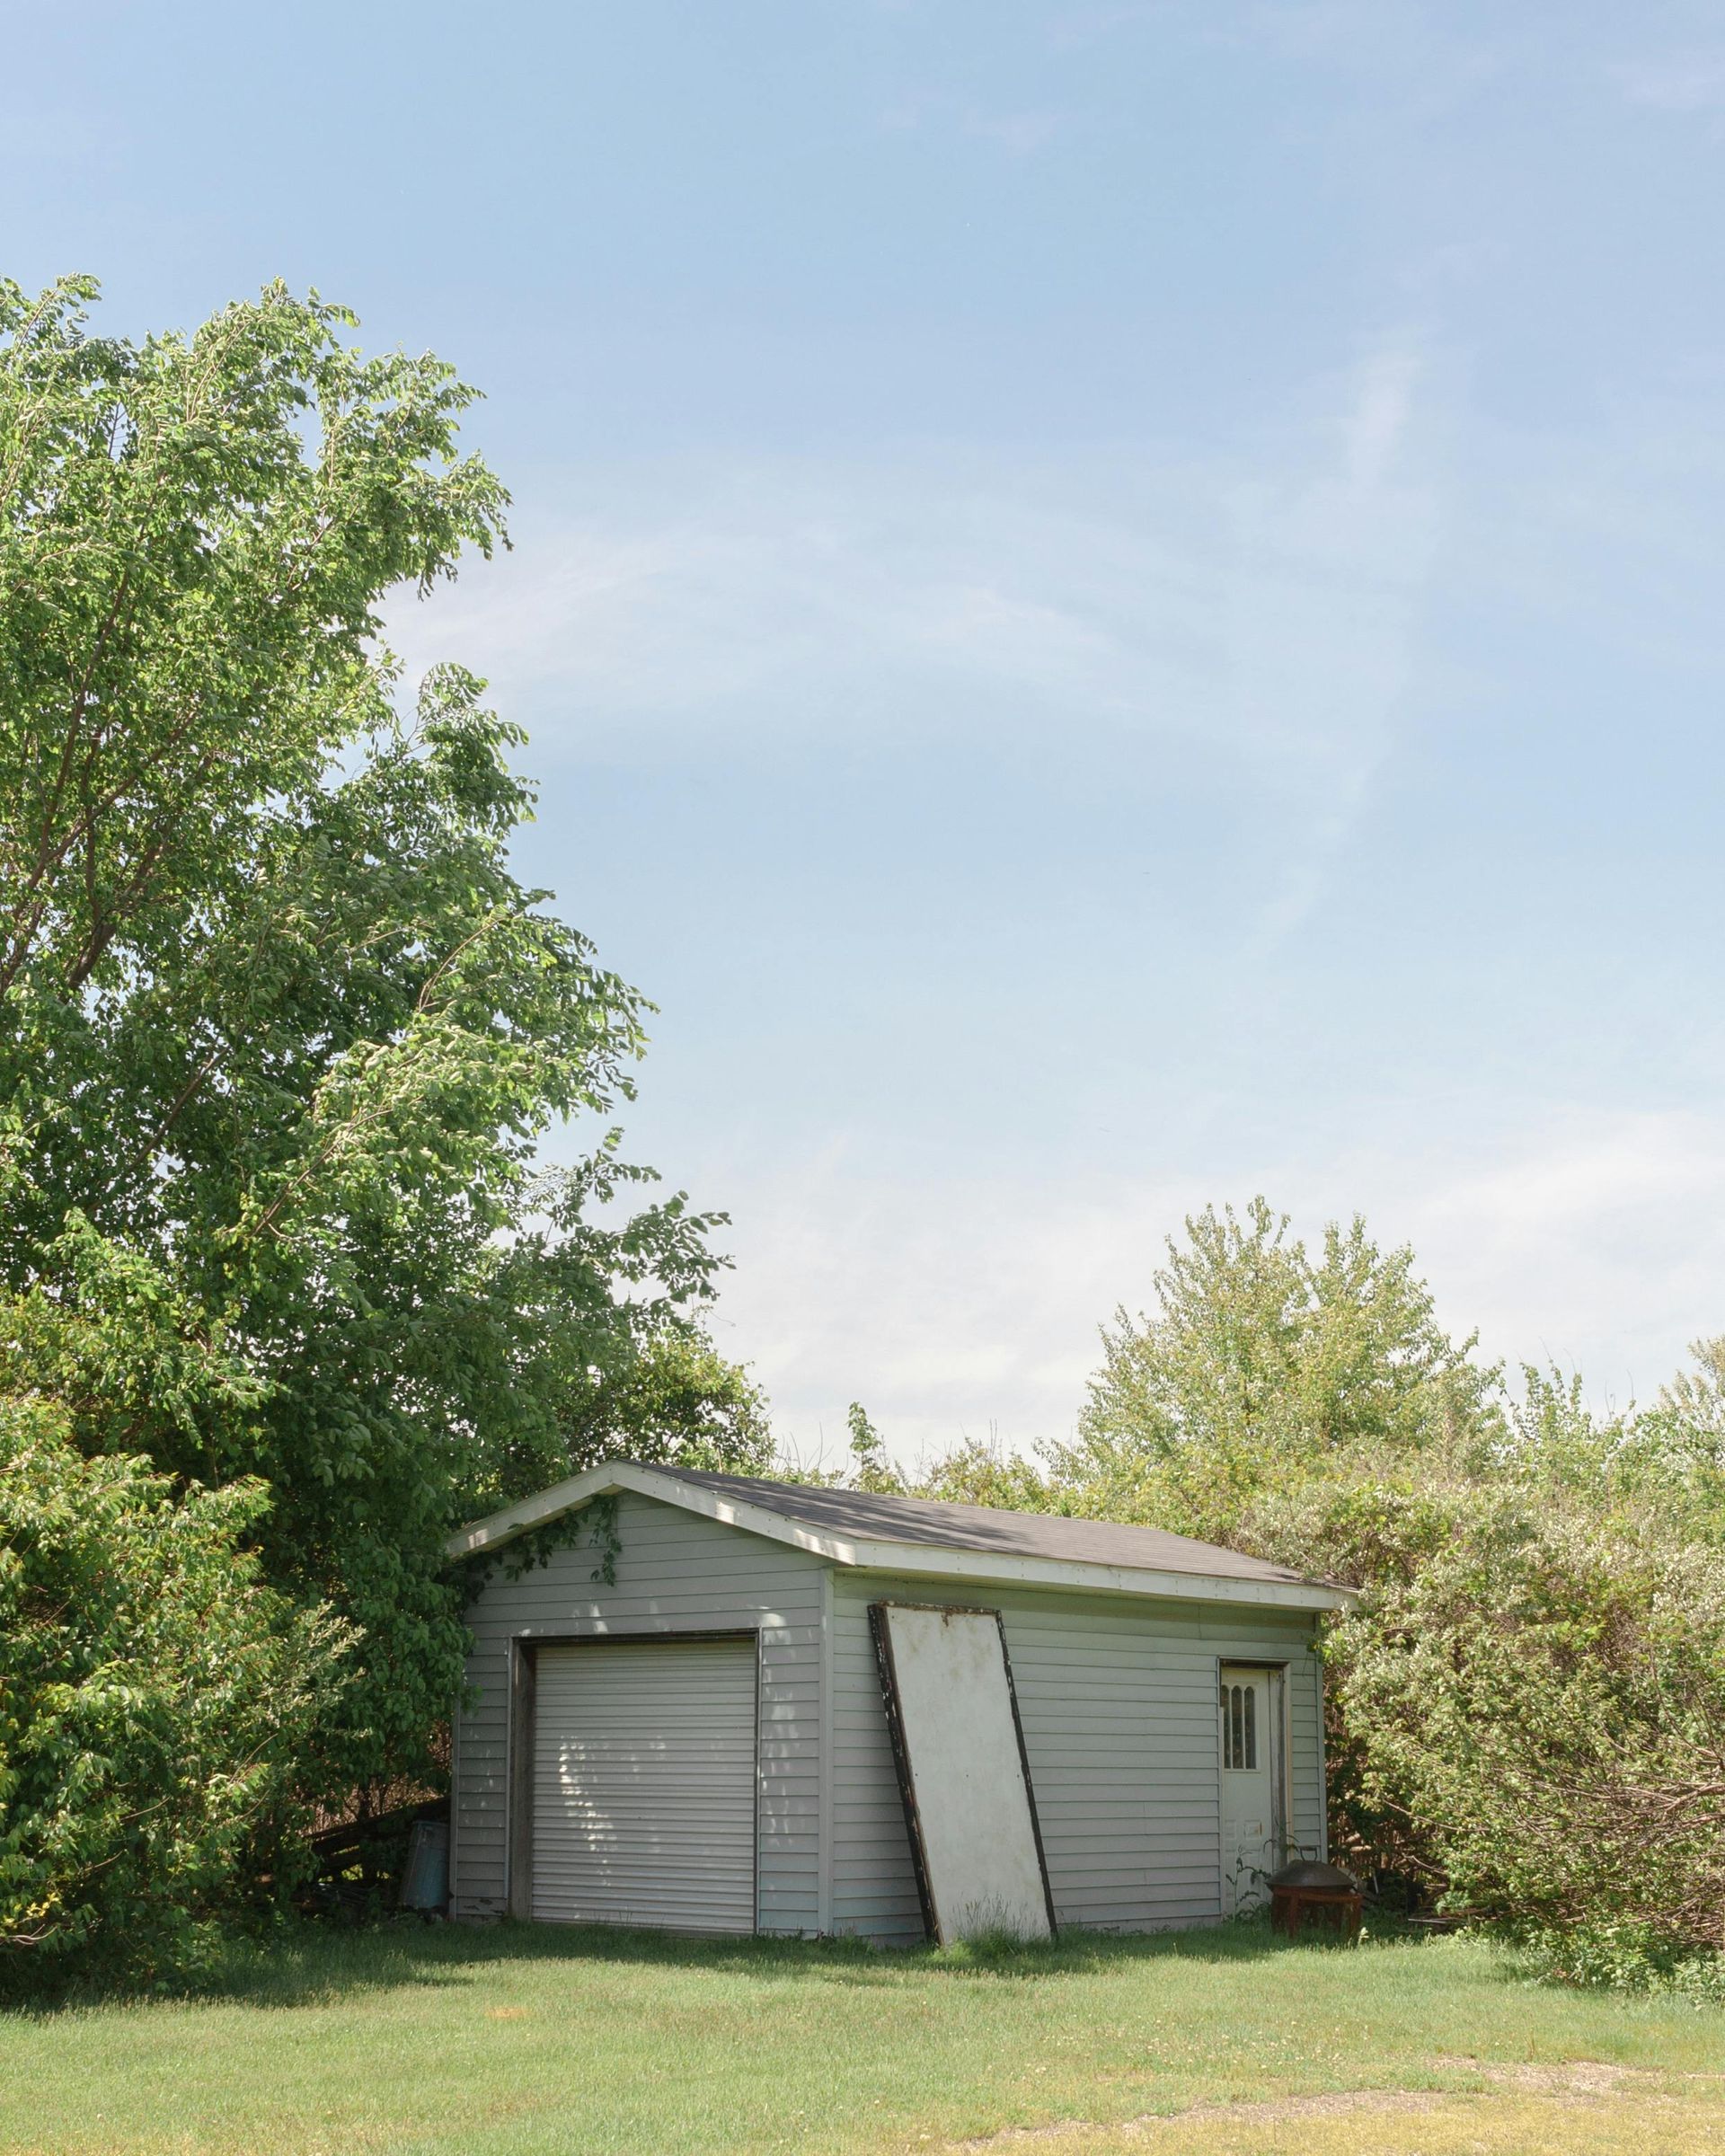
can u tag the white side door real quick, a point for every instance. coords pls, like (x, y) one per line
(1251, 1756)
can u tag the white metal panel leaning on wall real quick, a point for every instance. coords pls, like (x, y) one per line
(968, 1806)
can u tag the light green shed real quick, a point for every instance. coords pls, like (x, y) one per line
(701, 1739)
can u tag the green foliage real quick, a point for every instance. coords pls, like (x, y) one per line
(1531, 1701)
(1525, 1709)
(280, 1032)
(1547, 1696)
(154, 1695)
(872, 1468)
(976, 1473)
(1677, 1450)
(1261, 1361)
(599, 1522)
(678, 1399)
(195, 533)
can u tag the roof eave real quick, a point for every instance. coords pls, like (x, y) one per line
(918, 1559)
(1005, 1569)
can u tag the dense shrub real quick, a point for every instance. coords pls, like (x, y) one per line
(1527, 1709)
(1534, 1695)
(154, 1694)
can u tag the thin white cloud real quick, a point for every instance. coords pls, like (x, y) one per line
(1382, 410)
(1599, 1243)
(959, 1306)
(1258, 613)
(1019, 133)
(1687, 82)
(1390, 41)
(949, 1307)
(1261, 608)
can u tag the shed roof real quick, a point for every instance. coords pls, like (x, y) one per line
(924, 1520)
(919, 1535)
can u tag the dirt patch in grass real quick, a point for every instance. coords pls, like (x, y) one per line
(1672, 2123)
(1573, 2078)
(1331, 2104)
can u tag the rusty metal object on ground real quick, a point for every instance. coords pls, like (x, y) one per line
(1307, 1893)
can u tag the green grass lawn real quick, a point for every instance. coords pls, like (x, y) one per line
(518, 2040)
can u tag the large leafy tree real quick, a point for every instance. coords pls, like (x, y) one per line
(280, 1032)
(1262, 1363)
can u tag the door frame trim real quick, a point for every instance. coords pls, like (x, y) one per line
(518, 1765)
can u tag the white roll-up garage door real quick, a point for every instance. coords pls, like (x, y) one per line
(643, 1795)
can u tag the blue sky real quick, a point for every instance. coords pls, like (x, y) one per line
(1117, 606)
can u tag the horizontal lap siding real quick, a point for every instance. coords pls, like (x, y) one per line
(676, 1572)
(1117, 1699)
(1308, 1831)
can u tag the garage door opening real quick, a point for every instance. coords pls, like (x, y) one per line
(642, 1784)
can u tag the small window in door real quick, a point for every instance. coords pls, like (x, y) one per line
(1240, 1726)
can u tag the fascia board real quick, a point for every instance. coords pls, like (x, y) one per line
(503, 1527)
(581, 1489)
(901, 1558)
(1006, 1569)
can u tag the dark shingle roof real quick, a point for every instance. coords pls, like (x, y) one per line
(852, 1512)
